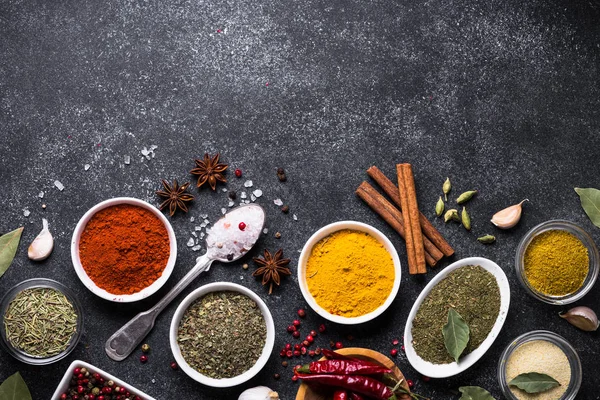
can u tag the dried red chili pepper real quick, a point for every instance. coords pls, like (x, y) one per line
(340, 395)
(356, 383)
(332, 355)
(342, 367)
(355, 396)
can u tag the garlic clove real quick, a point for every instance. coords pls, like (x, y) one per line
(509, 217)
(582, 317)
(259, 393)
(42, 245)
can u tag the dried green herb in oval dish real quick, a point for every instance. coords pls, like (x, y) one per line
(222, 334)
(471, 291)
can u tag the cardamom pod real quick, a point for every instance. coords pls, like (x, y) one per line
(446, 188)
(451, 215)
(466, 196)
(487, 239)
(439, 207)
(466, 219)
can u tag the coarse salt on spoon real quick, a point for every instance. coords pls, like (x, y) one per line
(229, 239)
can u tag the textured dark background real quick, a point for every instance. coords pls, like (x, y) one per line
(502, 96)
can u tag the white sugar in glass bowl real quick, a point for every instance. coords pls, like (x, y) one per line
(90, 284)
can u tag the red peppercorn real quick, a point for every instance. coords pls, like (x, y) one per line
(282, 352)
(338, 345)
(297, 347)
(80, 389)
(63, 396)
(394, 352)
(297, 353)
(288, 346)
(296, 334)
(310, 339)
(410, 383)
(174, 366)
(100, 397)
(305, 343)
(289, 354)
(291, 328)
(425, 378)
(295, 378)
(302, 313)
(238, 172)
(395, 342)
(144, 359)
(322, 328)
(76, 371)
(296, 323)
(402, 348)
(242, 226)
(107, 390)
(91, 397)
(276, 376)
(303, 350)
(311, 353)
(313, 333)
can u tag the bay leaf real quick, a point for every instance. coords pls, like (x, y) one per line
(456, 334)
(474, 393)
(590, 201)
(533, 382)
(8, 248)
(14, 388)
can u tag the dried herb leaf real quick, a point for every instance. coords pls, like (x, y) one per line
(590, 201)
(14, 388)
(456, 334)
(474, 393)
(533, 382)
(8, 248)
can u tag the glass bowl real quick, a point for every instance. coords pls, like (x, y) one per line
(40, 283)
(574, 361)
(587, 241)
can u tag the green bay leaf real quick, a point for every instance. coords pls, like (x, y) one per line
(456, 334)
(14, 388)
(474, 393)
(590, 201)
(533, 382)
(8, 248)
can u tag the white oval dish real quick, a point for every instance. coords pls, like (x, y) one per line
(85, 279)
(326, 231)
(445, 370)
(225, 382)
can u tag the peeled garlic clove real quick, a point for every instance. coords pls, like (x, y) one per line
(42, 245)
(582, 317)
(259, 393)
(507, 218)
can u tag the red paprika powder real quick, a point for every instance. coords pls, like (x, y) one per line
(124, 248)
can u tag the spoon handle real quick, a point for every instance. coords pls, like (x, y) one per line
(122, 343)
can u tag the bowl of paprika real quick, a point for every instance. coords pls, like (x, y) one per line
(123, 249)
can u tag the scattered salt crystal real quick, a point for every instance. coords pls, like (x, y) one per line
(223, 211)
(197, 247)
(257, 193)
(247, 201)
(149, 153)
(190, 242)
(26, 212)
(204, 216)
(192, 219)
(202, 225)
(59, 185)
(201, 235)
(194, 234)
(295, 217)
(198, 228)
(86, 166)
(41, 195)
(153, 380)
(278, 202)
(206, 221)
(224, 189)
(252, 197)
(196, 240)
(248, 183)
(243, 195)
(145, 152)
(265, 231)
(231, 204)
(127, 160)
(242, 203)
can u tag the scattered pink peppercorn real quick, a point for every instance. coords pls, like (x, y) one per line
(297, 346)
(322, 328)
(144, 359)
(303, 350)
(402, 348)
(296, 334)
(282, 352)
(289, 354)
(297, 353)
(425, 378)
(394, 352)
(174, 365)
(313, 333)
(395, 342)
(291, 328)
(296, 323)
(311, 353)
(295, 378)
(306, 343)
(410, 383)
(310, 339)
(238, 173)
(288, 346)
(242, 226)
(301, 312)
(339, 345)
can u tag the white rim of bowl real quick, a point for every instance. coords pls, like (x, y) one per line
(446, 370)
(326, 231)
(224, 382)
(90, 284)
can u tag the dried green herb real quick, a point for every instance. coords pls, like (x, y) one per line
(590, 201)
(533, 382)
(8, 248)
(474, 393)
(456, 334)
(40, 322)
(13, 388)
(473, 292)
(222, 334)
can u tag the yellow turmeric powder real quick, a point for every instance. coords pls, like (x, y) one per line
(556, 263)
(350, 273)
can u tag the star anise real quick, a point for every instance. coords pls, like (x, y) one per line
(209, 170)
(176, 196)
(271, 267)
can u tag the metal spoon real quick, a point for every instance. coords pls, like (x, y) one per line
(226, 242)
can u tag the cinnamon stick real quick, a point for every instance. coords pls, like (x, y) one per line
(410, 209)
(393, 217)
(428, 229)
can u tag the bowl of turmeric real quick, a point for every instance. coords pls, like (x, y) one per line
(349, 272)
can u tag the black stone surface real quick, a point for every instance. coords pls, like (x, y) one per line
(501, 96)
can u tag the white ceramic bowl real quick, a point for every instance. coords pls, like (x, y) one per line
(123, 298)
(326, 231)
(445, 370)
(225, 382)
(64, 383)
